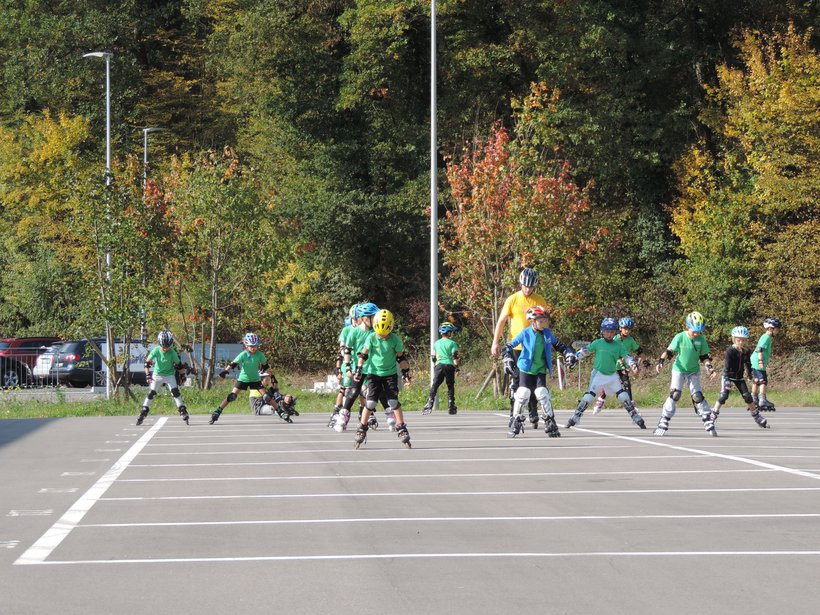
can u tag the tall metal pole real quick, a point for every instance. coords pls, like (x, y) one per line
(145, 133)
(109, 337)
(433, 189)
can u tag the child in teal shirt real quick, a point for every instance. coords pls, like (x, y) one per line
(445, 356)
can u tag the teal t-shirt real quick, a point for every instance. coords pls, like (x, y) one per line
(163, 361)
(629, 343)
(689, 352)
(539, 359)
(761, 359)
(249, 365)
(344, 333)
(607, 355)
(382, 353)
(356, 338)
(444, 349)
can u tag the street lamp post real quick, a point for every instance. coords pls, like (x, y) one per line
(145, 132)
(433, 190)
(105, 55)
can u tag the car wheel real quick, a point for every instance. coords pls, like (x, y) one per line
(11, 378)
(99, 378)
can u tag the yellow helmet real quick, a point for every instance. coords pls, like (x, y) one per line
(383, 322)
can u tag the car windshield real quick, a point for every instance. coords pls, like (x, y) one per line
(4, 345)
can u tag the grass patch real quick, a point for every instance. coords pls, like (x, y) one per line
(650, 392)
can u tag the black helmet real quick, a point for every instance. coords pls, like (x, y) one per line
(528, 277)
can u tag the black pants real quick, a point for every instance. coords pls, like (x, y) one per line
(532, 405)
(444, 373)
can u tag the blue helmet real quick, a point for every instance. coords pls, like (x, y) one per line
(447, 328)
(626, 322)
(348, 321)
(250, 339)
(528, 277)
(695, 321)
(609, 324)
(740, 332)
(366, 309)
(352, 311)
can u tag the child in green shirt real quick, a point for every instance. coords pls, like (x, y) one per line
(760, 361)
(250, 362)
(382, 351)
(445, 357)
(692, 350)
(165, 362)
(609, 354)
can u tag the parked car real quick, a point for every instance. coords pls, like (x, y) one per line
(42, 368)
(77, 365)
(18, 356)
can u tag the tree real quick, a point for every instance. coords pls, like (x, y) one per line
(754, 183)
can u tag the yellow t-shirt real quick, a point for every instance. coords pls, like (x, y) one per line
(515, 308)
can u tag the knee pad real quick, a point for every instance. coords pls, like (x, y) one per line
(392, 403)
(623, 396)
(152, 394)
(542, 394)
(697, 397)
(231, 397)
(589, 397)
(175, 392)
(370, 404)
(747, 398)
(675, 394)
(725, 395)
(522, 394)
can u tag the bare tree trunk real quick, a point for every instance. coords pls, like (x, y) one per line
(214, 312)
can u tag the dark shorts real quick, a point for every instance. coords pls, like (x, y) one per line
(244, 386)
(532, 381)
(759, 376)
(379, 387)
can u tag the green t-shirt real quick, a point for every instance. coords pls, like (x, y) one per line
(607, 355)
(344, 333)
(539, 359)
(356, 338)
(689, 352)
(761, 359)
(163, 361)
(629, 343)
(382, 354)
(444, 349)
(249, 365)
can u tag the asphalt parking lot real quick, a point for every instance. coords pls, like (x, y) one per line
(252, 515)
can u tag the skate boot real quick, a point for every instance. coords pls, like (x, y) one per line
(599, 404)
(756, 399)
(765, 405)
(637, 418)
(373, 422)
(361, 436)
(143, 414)
(183, 412)
(551, 428)
(333, 416)
(403, 435)
(391, 420)
(283, 415)
(428, 407)
(709, 424)
(516, 425)
(215, 416)
(574, 419)
(534, 420)
(341, 420)
(451, 409)
(761, 422)
(663, 425)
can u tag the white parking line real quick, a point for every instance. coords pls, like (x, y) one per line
(400, 556)
(686, 449)
(516, 519)
(40, 550)
(337, 477)
(438, 494)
